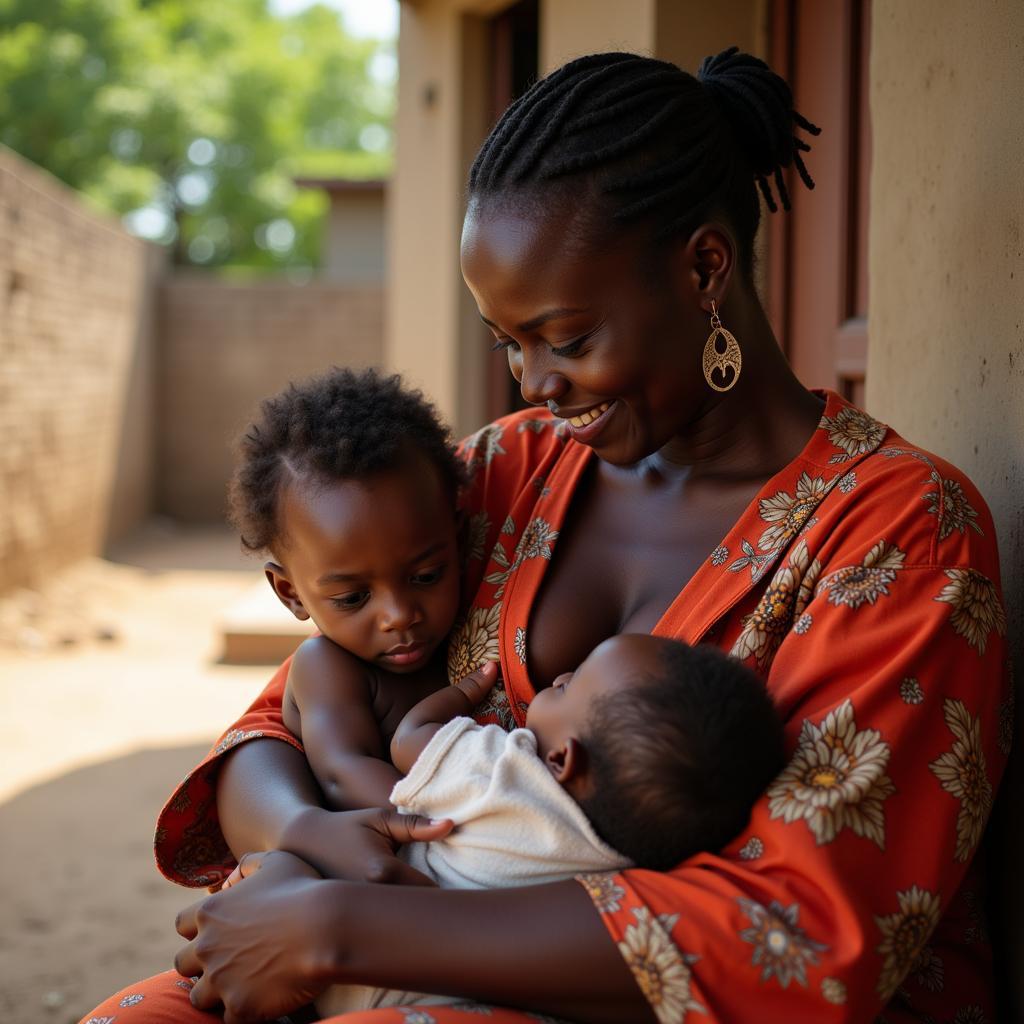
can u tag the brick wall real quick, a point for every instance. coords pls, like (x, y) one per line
(223, 347)
(74, 329)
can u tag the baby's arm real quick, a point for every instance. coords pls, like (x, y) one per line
(424, 719)
(328, 705)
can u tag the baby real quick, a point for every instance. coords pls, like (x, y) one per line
(651, 751)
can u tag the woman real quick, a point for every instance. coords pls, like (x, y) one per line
(688, 485)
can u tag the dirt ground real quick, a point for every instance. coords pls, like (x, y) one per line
(111, 690)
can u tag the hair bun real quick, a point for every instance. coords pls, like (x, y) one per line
(759, 105)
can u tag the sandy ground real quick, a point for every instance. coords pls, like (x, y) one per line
(111, 690)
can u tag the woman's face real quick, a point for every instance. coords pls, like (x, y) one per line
(608, 348)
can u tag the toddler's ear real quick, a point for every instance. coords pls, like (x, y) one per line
(567, 762)
(286, 593)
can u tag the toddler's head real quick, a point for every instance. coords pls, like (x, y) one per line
(349, 481)
(665, 747)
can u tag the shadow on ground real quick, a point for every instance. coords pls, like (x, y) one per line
(85, 910)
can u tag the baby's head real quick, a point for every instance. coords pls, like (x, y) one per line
(349, 481)
(665, 747)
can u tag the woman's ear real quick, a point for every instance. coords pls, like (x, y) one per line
(285, 590)
(711, 260)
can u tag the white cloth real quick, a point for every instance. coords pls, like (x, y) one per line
(514, 825)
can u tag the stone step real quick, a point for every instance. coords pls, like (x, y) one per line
(258, 630)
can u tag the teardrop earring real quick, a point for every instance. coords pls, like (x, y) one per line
(730, 359)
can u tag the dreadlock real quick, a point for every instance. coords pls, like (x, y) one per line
(650, 141)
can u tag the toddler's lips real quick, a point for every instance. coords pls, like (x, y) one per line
(405, 655)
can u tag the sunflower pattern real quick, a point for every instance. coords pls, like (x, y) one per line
(782, 949)
(606, 893)
(904, 935)
(949, 503)
(977, 611)
(660, 970)
(788, 514)
(476, 536)
(474, 641)
(836, 779)
(962, 773)
(765, 627)
(857, 585)
(853, 432)
(888, 585)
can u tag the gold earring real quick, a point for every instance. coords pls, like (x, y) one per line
(730, 359)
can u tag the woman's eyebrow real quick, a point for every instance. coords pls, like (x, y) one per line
(538, 321)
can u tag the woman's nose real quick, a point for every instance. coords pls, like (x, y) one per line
(539, 382)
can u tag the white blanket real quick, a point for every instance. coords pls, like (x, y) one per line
(514, 825)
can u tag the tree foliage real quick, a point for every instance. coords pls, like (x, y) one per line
(192, 117)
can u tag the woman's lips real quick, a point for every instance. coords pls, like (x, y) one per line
(585, 427)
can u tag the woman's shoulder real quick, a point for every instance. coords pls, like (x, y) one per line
(910, 498)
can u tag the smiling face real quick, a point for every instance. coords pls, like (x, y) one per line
(587, 332)
(373, 562)
(561, 712)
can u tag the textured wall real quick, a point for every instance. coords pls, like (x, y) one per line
(946, 355)
(946, 337)
(222, 349)
(74, 325)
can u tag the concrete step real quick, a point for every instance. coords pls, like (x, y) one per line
(258, 630)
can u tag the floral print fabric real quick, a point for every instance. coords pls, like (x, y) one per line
(862, 583)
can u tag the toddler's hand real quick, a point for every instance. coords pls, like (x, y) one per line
(478, 684)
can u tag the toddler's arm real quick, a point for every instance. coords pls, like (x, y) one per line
(424, 719)
(328, 705)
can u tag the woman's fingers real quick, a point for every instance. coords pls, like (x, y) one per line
(412, 828)
(185, 923)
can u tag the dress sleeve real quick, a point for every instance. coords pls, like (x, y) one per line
(189, 846)
(846, 892)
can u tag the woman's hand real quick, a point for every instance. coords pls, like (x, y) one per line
(258, 947)
(359, 846)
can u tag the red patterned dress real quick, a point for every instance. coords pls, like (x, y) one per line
(862, 582)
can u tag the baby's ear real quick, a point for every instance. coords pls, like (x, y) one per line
(567, 762)
(286, 592)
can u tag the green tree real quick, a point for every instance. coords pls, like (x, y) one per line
(191, 118)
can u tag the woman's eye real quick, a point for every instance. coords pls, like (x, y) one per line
(349, 602)
(567, 351)
(503, 344)
(430, 576)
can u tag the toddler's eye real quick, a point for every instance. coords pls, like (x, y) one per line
(349, 602)
(428, 576)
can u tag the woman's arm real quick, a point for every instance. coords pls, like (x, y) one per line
(549, 952)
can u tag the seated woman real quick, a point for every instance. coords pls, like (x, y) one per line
(669, 482)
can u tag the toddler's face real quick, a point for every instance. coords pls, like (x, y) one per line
(562, 710)
(374, 563)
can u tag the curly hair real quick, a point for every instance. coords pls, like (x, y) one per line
(678, 760)
(342, 425)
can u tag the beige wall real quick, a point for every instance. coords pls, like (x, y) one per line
(946, 338)
(74, 337)
(354, 237)
(946, 349)
(225, 347)
(433, 333)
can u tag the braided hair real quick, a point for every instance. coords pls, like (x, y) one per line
(647, 140)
